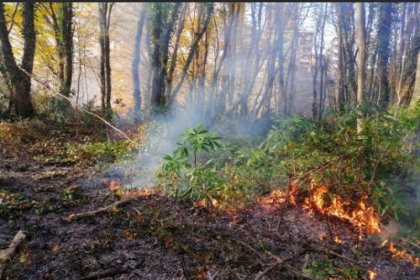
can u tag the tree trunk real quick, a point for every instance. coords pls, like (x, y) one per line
(339, 94)
(383, 37)
(105, 10)
(347, 24)
(162, 22)
(361, 56)
(416, 91)
(108, 72)
(136, 64)
(20, 99)
(180, 28)
(68, 47)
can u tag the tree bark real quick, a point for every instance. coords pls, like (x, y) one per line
(339, 94)
(20, 99)
(416, 90)
(383, 37)
(163, 19)
(180, 28)
(68, 32)
(361, 56)
(105, 10)
(136, 64)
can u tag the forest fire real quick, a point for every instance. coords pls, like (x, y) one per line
(114, 186)
(401, 254)
(363, 217)
(279, 196)
(371, 275)
(203, 202)
(117, 188)
(337, 239)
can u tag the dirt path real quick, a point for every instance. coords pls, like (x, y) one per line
(158, 237)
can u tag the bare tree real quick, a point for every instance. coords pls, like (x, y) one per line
(105, 10)
(319, 66)
(383, 48)
(136, 63)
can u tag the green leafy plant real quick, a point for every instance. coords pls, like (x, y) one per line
(324, 269)
(186, 177)
(99, 151)
(198, 140)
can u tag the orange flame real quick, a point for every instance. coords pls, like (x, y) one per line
(202, 203)
(114, 186)
(279, 196)
(337, 239)
(118, 188)
(402, 254)
(371, 275)
(362, 217)
(138, 192)
(275, 197)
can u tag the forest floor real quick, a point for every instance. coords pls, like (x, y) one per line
(158, 237)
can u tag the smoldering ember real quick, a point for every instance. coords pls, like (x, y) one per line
(209, 140)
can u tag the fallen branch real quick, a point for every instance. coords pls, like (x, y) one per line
(408, 242)
(261, 259)
(46, 86)
(107, 208)
(7, 254)
(107, 273)
(330, 252)
(280, 261)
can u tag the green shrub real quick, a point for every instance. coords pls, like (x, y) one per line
(324, 269)
(380, 162)
(374, 162)
(51, 106)
(185, 175)
(99, 151)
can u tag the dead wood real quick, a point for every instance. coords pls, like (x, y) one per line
(107, 208)
(283, 262)
(47, 87)
(260, 257)
(8, 253)
(107, 273)
(408, 242)
(331, 252)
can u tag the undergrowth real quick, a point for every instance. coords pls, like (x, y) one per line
(381, 162)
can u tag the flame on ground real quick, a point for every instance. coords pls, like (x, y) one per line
(203, 203)
(363, 217)
(337, 240)
(371, 275)
(116, 187)
(401, 254)
(279, 196)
